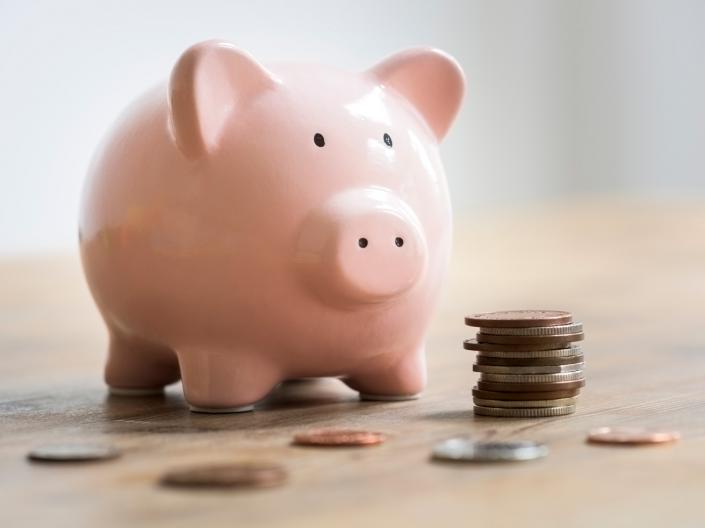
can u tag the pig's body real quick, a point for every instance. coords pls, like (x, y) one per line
(222, 244)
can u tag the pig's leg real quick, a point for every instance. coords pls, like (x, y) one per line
(137, 367)
(226, 381)
(385, 381)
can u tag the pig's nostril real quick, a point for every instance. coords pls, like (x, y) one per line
(362, 242)
(399, 241)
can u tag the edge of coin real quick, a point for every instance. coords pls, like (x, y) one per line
(531, 412)
(524, 396)
(562, 317)
(525, 350)
(524, 404)
(563, 339)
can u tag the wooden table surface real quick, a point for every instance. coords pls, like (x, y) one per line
(634, 273)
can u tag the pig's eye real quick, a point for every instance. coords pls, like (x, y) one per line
(388, 140)
(319, 140)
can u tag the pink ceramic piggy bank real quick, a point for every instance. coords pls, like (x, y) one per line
(246, 225)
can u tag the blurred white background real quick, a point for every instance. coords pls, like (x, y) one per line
(565, 97)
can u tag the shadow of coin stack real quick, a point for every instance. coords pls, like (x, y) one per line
(529, 363)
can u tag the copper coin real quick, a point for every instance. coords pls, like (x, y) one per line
(538, 362)
(520, 319)
(631, 436)
(339, 438)
(473, 344)
(524, 396)
(530, 340)
(78, 452)
(242, 475)
(530, 387)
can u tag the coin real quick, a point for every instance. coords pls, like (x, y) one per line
(524, 396)
(519, 351)
(482, 359)
(73, 452)
(543, 412)
(530, 387)
(571, 328)
(533, 378)
(559, 402)
(530, 340)
(631, 436)
(519, 318)
(465, 450)
(538, 369)
(339, 438)
(241, 475)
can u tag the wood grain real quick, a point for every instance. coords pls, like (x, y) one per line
(634, 273)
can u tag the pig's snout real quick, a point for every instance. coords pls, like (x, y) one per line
(377, 255)
(362, 246)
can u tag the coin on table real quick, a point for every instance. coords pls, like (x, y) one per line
(77, 452)
(533, 378)
(339, 438)
(632, 436)
(528, 369)
(524, 396)
(519, 318)
(465, 450)
(543, 412)
(482, 359)
(530, 387)
(558, 340)
(239, 475)
(522, 404)
(522, 351)
(572, 328)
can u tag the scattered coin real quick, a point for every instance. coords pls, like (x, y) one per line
(242, 475)
(530, 340)
(483, 359)
(631, 436)
(538, 369)
(73, 452)
(519, 351)
(339, 438)
(543, 412)
(534, 378)
(530, 387)
(465, 450)
(524, 396)
(521, 404)
(572, 328)
(519, 318)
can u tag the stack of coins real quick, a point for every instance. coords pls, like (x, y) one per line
(529, 363)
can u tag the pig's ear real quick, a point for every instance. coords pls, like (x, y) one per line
(209, 82)
(430, 80)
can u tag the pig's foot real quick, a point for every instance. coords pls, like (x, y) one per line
(364, 396)
(228, 381)
(137, 367)
(121, 391)
(401, 381)
(221, 410)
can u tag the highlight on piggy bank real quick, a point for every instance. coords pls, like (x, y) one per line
(243, 225)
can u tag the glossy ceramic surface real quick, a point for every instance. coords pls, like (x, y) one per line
(244, 225)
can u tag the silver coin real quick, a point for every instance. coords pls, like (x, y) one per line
(465, 450)
(522, 404)
(533, 378)
(543, 412)
(573, 328)
(534, 354)
(542, 369)
(73, 452)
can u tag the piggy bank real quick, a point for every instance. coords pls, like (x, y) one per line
(244, 225)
